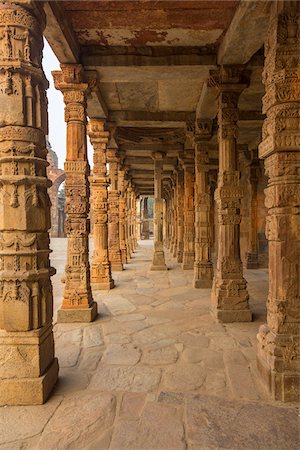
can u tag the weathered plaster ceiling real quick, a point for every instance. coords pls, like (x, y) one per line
(148, 22)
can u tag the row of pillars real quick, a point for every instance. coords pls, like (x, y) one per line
(28, 367)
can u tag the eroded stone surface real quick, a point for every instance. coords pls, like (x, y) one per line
(213, 422)
(65, 429)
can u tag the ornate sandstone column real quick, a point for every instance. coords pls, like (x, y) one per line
(113, 212)
(100, 267)
(180, 214)
(28, 368)
(230, 299)
(158, 262)
(252, 253)
(122, 215)
(78, 304)
(174, 248)
(278, 341)
(189, 215)
(145, 222)
(203, 268)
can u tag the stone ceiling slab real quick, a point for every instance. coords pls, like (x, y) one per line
(179, 95)
(138, 96)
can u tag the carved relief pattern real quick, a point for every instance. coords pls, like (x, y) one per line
(77, 293)
(230, 298)
(25, 287)
(278, 347)
(100, 265)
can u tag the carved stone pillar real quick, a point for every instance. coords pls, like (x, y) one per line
(175, 209)
(100, 267)
(113, 212)
(189, 214)
(129, 220)
(158, 261)
(203, 268)
(78, 304)
(122, 215)
(230, 299)
(28, 368)
(145, 222)
(180, 214)
(278, 341)
(133, 220)
(252, 253)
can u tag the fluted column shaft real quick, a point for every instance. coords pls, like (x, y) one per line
(28, 369)
(100, 267)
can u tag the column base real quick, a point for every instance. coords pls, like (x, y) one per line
(232, 315)
(277, 364)
(103, 286)
(179, 257)
(188, 261)
(72, 315)
(162, 267)
(187, 265)
(117, 267)
(203, 283)
(29, 391)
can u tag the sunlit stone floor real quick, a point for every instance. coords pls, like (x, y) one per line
(154, 372)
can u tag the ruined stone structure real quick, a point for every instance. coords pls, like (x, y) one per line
(57, 177)
(171, 102)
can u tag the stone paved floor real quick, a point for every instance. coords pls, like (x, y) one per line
(154, 372)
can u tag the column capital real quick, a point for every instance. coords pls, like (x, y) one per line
(233, 78)
(96, 131)
(70, 78)
(203, 131)
(158, 156)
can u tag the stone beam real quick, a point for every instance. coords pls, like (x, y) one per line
(147, 56)
(149, 118)
(59, 33)
(246, 33)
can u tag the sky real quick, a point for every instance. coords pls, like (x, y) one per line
(57, 125)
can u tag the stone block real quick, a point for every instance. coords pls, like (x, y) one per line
(29, 391)
(71, 315)
(232, 315)
(105, 286)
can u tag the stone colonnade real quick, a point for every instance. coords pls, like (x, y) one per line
(25, 286)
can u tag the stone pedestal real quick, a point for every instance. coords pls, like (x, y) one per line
(78, 304)
(158, 261)
(188, 258)
(278, 351)
(101, 277)
(113, 212)
(203, 268)
(28, 368)
(230, 299)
